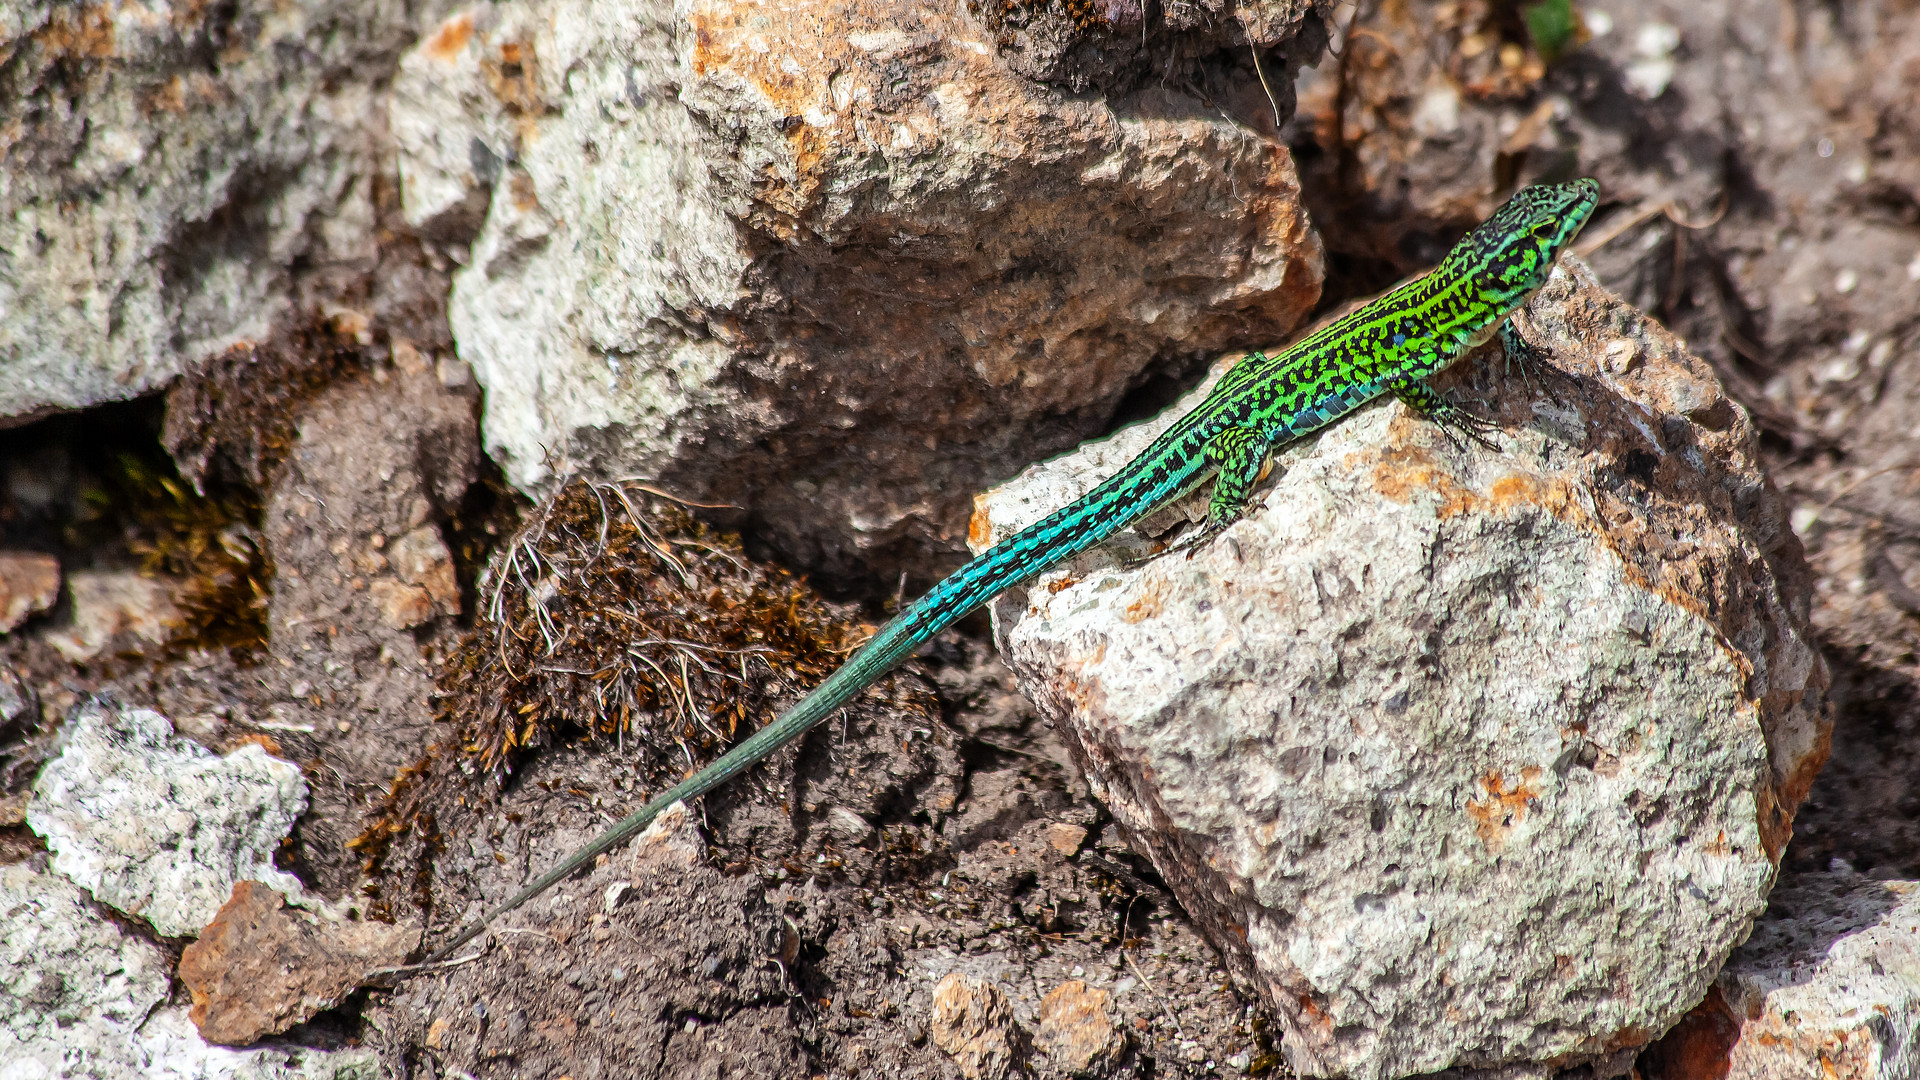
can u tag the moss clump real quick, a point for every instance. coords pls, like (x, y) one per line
(1553, 26)
(204, 541)
(612, 612)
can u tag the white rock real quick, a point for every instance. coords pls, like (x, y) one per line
(152, 202)
(82, 1000)
(829, 262)
(158, 826)
(1463, 759)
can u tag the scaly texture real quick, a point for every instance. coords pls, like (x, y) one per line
(1387, 346)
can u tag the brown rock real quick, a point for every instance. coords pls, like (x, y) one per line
(1065, 837)
(401, 605)
(420, 557)
(29, 584)
(974, 1024)
(1077, 1031)
(261, 967)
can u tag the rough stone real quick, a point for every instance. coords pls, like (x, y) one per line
(161, 172)
(401, 606)
(1827, 986)
(65, 965)
(1127, 44)
(1066, 837)
(351, 515)
(973, 1023)
(1076, 1030)
(832, 263)
(29, 584)
(421, 559)
(110, 603)
(1461, 758)
(16, 698)
(261, 967)
(81, 999)
(158, 826)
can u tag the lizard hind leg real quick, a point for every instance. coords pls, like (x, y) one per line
(1240, 456)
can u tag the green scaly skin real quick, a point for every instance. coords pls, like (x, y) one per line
(1387, 347)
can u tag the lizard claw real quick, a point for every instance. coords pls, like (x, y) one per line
(1458, 424)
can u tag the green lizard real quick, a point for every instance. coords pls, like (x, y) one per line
(1386, 347)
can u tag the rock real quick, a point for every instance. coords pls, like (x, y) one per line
(421, 558)
(848, 827)
(1828, 985)
(16, 698)
(349, 519)
(109, 603)
(205, 183)
(973, 1023)
(1076, 1030)
(1463, 759)
(261, 967)
(29, 584)
(837, 268)
(401, 606)
(66, 966)
(159, 826)
(1066, 837)
(82, 999)
(1111, 46)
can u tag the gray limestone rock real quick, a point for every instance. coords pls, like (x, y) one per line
(159, 826)
(162, 167)
(81, 999)
(832, 263)
(1464, 759)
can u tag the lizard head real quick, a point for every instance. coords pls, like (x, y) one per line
(1510, 254)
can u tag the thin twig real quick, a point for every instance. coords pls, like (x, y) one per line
(1254, 48)
(1148, 983)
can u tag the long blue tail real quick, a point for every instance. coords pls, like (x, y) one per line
(1060, 535)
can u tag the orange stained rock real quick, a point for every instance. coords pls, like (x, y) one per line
(1502, 808)
(450, 38)
(1149, 605)
(86, 34)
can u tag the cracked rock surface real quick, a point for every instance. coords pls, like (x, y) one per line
(1462, 759)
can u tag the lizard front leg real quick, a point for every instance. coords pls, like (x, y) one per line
(1454, 422)
(1529, 358)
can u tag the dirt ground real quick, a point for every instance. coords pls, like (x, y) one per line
(941, 827)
